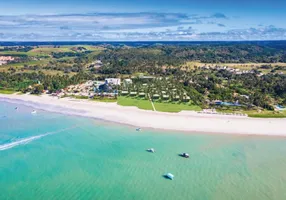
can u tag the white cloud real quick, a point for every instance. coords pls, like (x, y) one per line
(129, 26)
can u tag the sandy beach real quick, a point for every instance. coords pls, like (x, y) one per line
(188, 121)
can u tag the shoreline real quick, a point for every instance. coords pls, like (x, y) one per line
(185, 121)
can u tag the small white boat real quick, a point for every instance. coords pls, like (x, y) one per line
(185, 155)
(138, 129)
(16, 108)
(151, 150)
(169, 176)
(34, 112)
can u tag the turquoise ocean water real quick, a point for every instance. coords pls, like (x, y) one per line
(53, 156)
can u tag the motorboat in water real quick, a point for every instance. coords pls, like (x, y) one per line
(138, 129)
(169, 176)
(34, 112)
(185, 155)
(151, 150)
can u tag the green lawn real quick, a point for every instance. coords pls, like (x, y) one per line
(3, 91)
(175, 107)
(162, 107)
(140, 103)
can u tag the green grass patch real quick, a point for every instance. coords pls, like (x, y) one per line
(29, 53)
(7, 91)
(13, 53)
(29, 63)
(175, 107)
(267, 114)
(139, 103)
(161, 107)
(279, 115)
(40, 52)
(49, 50)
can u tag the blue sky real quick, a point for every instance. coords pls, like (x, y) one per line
(135, 20)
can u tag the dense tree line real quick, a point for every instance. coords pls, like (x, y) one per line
(147, 59)
(22, 81)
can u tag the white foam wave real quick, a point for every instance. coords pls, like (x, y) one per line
(30, 139)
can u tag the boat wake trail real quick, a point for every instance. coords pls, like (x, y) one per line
(30, 139)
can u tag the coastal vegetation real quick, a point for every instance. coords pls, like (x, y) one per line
(229, 77)
(25, 82)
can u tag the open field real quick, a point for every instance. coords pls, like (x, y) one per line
(50, 50)
(65, 48)
(34, 53)
(15, 53)
(20, 66)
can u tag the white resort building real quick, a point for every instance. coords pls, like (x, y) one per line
(113, 81)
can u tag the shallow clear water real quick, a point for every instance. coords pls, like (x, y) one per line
(98, 160)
